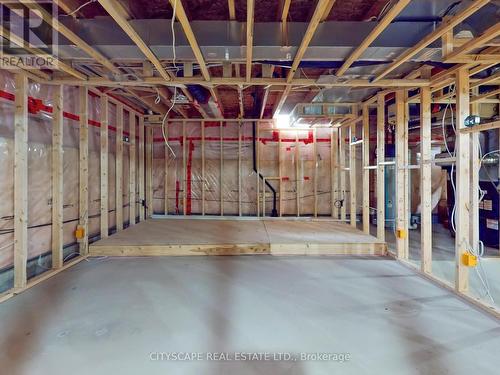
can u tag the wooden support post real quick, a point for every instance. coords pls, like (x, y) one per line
(132, 172)
(104, 166)
(257, 142)
(221, 131)
(57, 179)
(119, 168)
(184, 169)
(380, 166)
(84, 170)
(366, 172)
(203, 181)
(297, 172)
(239, 168)
(333, 171)
(474, 168)
(401, 180)
(342, 158)
(425, 181)
(264, 197)
(149, 171)
(21, 182)
(352, 175)
(280, 172)
(167, 158)
(142, 197)
(315, 171)
(462, 195)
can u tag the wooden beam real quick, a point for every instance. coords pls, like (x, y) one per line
(184, 169)
(377, 30)
(298, 179)
(39, 53)
(132, 171)
(474, 184)
(57, 178)
(481, 127)
(342, 159)
(119, 168)
(21, 181)
(149, 171)
(232, 10)
(203, 178)
(284, 20)
(334, 141)
(381, 166)
(306, 39)
(181, 16)
(239, 169)
(489, 94)
(401, 175)
(70, 35)
(120, 15)
(474, 43)
(250, 20)
(425, 181)
(462, 193)
(486, 81)
(142, 196)
(83, 221)
(104, 138)
(235, 81)
(366, 172)
(352, 175)
(444, 27)
(328, 9)
(166, 160)
(315, 174)
(221, 181)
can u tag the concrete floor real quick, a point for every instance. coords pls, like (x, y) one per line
(443, 262)
(107, 315)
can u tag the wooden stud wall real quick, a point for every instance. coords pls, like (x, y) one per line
(84, 171)
(104, 133)
(57, 179)
(119, 168)
(21, 182)
(381, 166)
(132, 171)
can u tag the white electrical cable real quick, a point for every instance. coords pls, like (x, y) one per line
(81, 7)
(175, 88)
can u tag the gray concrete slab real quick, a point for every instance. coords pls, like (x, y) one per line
(107, 315)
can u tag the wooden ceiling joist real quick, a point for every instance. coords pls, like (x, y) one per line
(250, 19)
(232, 10)
(378, 29)
(486, 95)
(444, 27)
(328, 9)
(70, 35)
(311, 29)
(181, 16)
(120, 15)
(474, 43)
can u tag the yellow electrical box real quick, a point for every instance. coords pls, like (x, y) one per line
(401, 233)
(469, 260)
(79, 232)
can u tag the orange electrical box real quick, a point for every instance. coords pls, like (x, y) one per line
(469, 260)
(79, 232)
(401, 233)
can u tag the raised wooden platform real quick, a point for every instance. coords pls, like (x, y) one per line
(180, 237)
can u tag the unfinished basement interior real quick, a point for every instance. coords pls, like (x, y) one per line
(249, 187)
